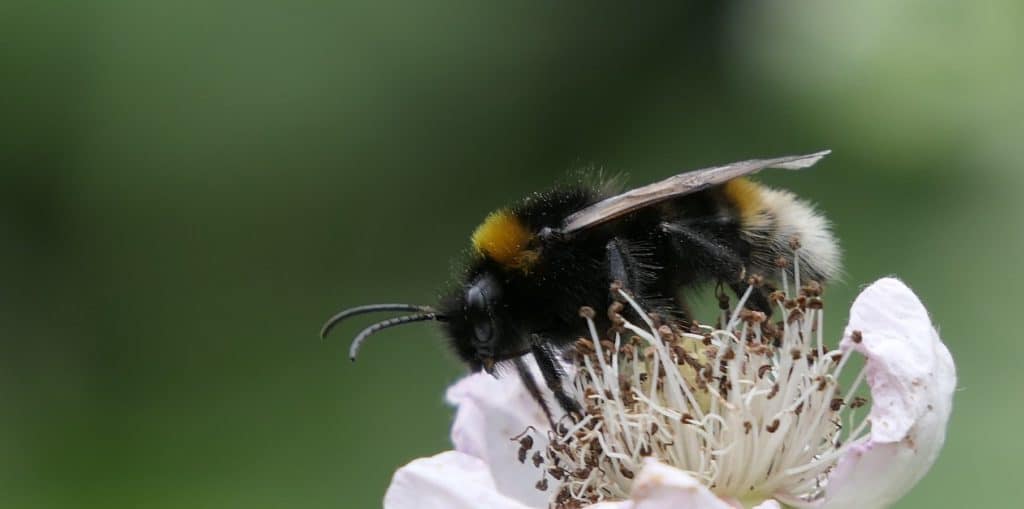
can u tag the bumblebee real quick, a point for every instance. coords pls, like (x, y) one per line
(535, 263)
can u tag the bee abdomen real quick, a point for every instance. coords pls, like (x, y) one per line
(775, 222)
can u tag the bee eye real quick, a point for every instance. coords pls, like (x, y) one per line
(479, 314)
(479, 307)
(476, 300)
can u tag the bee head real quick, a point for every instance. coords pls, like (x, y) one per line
(479, 324)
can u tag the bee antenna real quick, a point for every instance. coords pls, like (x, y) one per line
(372, 308)
(391, 322)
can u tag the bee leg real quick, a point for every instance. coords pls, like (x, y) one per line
(702, 249)
(553, 375)
(625, 271)
(723, 261)
(531, 386)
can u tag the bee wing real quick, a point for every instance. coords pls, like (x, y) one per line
(679, 185)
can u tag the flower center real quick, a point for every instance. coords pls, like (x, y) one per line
(751, 408)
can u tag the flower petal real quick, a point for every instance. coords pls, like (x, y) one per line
(659, 486)
(450, 480)
(912, 378)
(490, 412)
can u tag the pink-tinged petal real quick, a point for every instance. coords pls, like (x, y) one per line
(450, 480)
(912, 378)
(659, 486)
(490, 412)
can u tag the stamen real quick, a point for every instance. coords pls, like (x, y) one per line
(749, 409)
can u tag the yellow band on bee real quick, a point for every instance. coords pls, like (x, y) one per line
(745, 195)
(505, 239)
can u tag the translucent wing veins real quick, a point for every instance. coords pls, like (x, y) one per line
(679, 185)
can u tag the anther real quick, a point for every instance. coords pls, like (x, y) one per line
(794, 316)
(723, 302)
(750, 316)
(811, 289)
(526, 442)
(584, 346)
(615, 308)
(666, 332)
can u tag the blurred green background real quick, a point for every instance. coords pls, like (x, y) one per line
(190, 188)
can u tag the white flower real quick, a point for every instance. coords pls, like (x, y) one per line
(746, 416)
